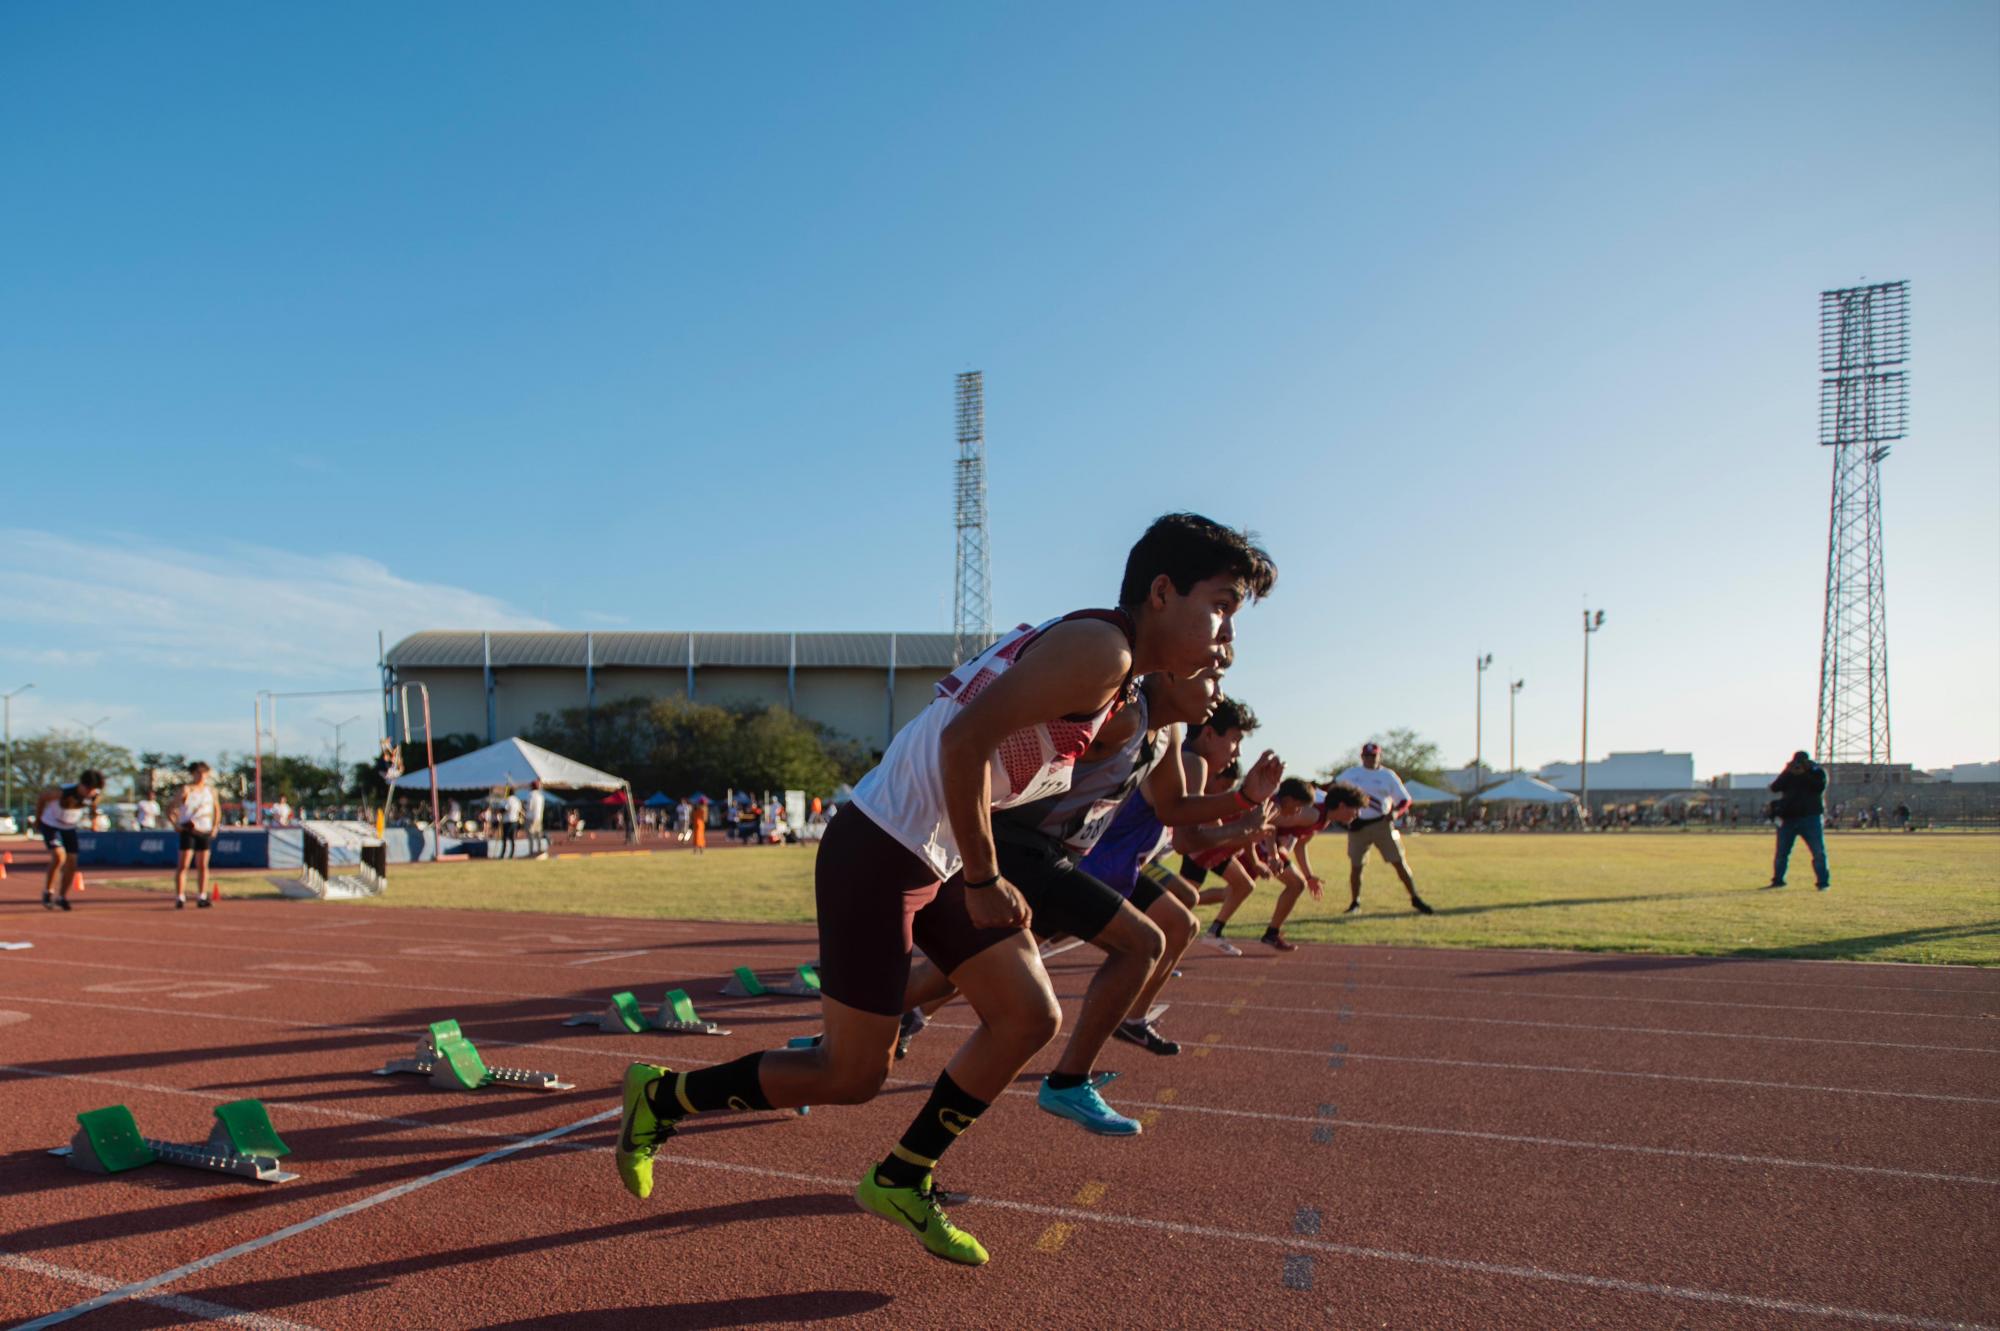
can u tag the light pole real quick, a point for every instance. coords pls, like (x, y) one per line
(1512, 689)
(1479, 719)
(1590, 625)
(7, 710)
(337, 727)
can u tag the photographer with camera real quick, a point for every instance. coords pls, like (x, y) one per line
(1801, 810)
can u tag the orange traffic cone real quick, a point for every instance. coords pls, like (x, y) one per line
(3, 869)
(76, 885)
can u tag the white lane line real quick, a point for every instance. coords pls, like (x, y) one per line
(512, 958)
(202, 1308)
(1463, 966)
(607, 956)
(377, 982)
(1590, 1072)
(139, 1288)
(127, 1084)
(1579, 1026)
(1293, 1242)
(1817, 1009)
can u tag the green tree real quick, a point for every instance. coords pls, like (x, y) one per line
(681, 747)
(298, 781)
(1409, 754)
(56, 757)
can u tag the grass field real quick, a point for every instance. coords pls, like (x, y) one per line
(1928, 898)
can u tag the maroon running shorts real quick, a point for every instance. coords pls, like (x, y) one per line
(876, 898)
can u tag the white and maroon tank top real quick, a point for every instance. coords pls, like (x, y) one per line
(904, 793)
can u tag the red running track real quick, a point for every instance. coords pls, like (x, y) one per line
(1353, 1137)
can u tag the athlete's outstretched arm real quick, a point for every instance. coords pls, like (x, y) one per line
(1074, 669)
(1167, 787)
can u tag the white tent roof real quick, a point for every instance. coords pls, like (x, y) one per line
(511, 762)
(1526, 790)
(1423, 794)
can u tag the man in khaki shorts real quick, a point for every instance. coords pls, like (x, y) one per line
(1375, 826)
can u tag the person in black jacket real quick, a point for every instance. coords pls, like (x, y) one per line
(1801, 810)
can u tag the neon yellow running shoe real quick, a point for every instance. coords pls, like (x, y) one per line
(640, 1130)
(917, 1210)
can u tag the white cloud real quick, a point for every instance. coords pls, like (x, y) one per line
(252, 610)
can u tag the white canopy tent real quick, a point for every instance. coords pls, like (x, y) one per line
(1423, 794)
(515, 762)
(1524, 790)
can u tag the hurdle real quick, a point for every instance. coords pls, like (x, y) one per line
(452, 1062)
(743, 983)
(317, 880)
(243, 1143)
(675, 1016)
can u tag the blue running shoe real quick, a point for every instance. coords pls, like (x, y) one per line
(1083, 1105)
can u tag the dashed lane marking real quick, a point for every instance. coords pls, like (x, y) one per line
(1536, 1274)
(1054, 1237)
(608, 956)
(139, 1288)
(1090, 1194)
(1167, 1095)
(202, 1308)
(11, 1018)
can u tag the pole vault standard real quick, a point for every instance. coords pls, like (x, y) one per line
(430, 759)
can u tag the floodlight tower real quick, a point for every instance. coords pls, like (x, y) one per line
(972, 599)
(1864, 403)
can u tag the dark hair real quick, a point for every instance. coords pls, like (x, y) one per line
(1291, 788)
(1802, 757)
(91, 777)
(196, 768)
(1344, 795)
(1229, 714)
(1188, 548)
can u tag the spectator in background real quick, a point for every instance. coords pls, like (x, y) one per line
(149, 809)
(1801, 810)
(538, 805)
(510, 823)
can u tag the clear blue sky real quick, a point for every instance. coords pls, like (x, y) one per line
(321, 320)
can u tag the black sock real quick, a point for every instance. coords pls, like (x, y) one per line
(1216, 928)
(948, 1112)
(1066, 1081)
(732, 1085)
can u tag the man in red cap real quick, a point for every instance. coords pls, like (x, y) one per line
(1388, 800)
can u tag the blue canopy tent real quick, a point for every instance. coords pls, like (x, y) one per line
(660, 800)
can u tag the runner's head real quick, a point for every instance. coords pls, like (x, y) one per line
(1343, 802)
(1293, 795)
(1184, 582)
(1219, 738)
(197, 773)
(1371, 754)
(90, 782)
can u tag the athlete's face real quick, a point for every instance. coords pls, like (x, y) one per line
(1343, 814)
(1219, 748)
(1199, 626)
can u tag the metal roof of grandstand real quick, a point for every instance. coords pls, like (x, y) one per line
(464, 649)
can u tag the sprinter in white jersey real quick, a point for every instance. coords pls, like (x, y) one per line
(60, 811)
(1388, 800)
(912, 858)
(196, 814)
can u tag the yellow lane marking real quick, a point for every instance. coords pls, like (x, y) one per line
(1167, 1094)
(1054, 1237)
(1148, 1117)
(1090, 1194)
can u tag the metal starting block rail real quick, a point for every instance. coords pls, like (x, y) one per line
(242, 1143)
(452, 1062)
(803, 983)
(675, 1015)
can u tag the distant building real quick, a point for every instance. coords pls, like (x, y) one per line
(1468, 781)
(1655, 770)
(863, 686)
(1968, 772)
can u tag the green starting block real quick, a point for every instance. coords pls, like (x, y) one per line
(675, 1014)
(242, 1143)
(452, 1062)
(803, 983)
